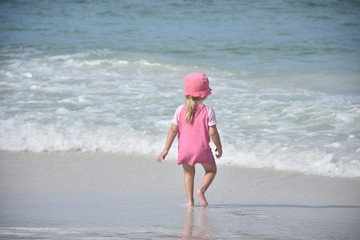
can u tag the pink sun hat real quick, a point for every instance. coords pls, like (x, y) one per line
(196, 85)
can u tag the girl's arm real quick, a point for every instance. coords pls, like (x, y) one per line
(215, 137)
(173, 131)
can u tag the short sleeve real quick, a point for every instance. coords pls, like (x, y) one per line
(176, 117)
(212, 117)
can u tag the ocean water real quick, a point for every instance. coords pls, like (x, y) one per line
(108, 76)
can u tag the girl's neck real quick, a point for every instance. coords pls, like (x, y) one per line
(199, 105)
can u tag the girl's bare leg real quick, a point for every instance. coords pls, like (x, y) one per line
(189, 174)
(210, 172)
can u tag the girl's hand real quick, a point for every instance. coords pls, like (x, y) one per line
(162, 156)
(219, 152)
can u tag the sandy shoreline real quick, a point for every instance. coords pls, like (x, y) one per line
(106, 173)
(85, 192)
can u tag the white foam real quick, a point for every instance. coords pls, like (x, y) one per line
(335, 145)
(27, 75)
(346, 117)
(62, 111)
(78, 137)
(309, 160)
(38, 138)
(100, 101)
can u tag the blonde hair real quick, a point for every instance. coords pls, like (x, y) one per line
(190, 107)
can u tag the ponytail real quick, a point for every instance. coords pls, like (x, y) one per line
(190, 108)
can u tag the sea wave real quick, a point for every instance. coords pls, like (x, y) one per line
(121, 102)
(18, 135)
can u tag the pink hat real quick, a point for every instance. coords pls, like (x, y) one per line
(197, 85)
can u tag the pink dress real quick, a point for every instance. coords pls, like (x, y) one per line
(194, 139)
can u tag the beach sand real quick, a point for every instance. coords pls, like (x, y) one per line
(75, 195)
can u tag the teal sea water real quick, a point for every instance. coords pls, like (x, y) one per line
(108, 76)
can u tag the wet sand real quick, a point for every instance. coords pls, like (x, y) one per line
(113, 196)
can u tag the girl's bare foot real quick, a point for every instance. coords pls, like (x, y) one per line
(189, 204)
(202, 198)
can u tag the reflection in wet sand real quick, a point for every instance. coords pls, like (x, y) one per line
(197, 227)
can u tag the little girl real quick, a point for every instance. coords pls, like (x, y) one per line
(195, 124)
